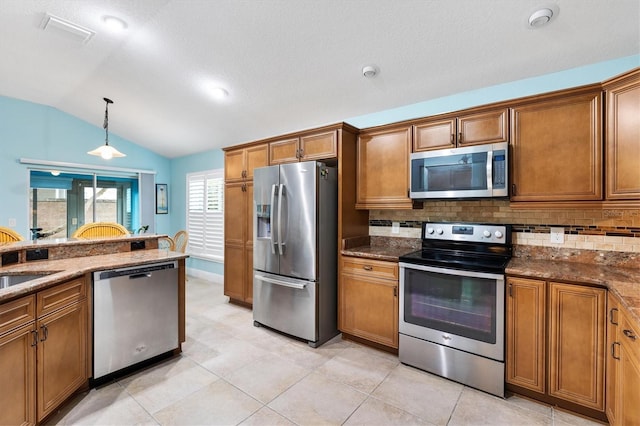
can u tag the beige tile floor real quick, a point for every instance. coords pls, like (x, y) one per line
(231, 372)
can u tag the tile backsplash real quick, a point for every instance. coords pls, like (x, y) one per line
(596, 229)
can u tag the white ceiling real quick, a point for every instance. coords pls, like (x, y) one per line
(288, 64)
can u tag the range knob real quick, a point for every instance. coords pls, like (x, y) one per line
(439, 231)
(486, 233)
(498, 234)
(430, 230)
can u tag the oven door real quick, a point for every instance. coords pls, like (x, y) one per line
(460, 309)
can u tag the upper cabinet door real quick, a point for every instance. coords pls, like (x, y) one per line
(319, 146)
(284, 151)
(256, 156)
(239, 163)
(557, 148)
(383, 169)
(470, 129)
(623, 138)
(438, 134)
(234, 165)
(483, 127)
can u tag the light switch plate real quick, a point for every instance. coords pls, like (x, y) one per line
(557, 235)
(395, 227)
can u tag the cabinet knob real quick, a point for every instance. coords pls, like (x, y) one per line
(367, 268)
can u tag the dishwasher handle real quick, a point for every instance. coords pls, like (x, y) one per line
(136, 276)
(134, 272)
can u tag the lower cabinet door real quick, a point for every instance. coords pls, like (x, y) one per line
(577, 344)
(62, 356)
(369, 309)
(18, 377)
(526, 336)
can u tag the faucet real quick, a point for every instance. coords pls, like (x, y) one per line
(35, 233)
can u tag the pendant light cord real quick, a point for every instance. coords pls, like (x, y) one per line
(106, 120)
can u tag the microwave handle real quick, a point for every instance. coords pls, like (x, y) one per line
(490, 169)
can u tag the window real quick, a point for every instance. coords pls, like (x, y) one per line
(205, 214)
(60, 202)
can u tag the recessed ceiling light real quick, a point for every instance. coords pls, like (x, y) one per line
(369, 71)
(219, 93)
(114, 23)
(540, 18)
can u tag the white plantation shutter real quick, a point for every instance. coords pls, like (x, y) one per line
(205, 213)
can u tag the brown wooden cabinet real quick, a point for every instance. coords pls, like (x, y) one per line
(623, 366)
(525, 328)
(557, 147)
(368, 300)
(315, 146)
(383, 168)
(556, 341)
(474, 128)
(44, 356)
(623, 137)
(238, 219)
(239, 163)
(238, 235)
(577, 344)
(18, 361)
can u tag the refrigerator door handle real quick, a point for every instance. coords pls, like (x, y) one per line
(273, 203)
(282, 283)
(280, 242)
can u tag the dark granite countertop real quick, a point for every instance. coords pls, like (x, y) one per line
(380, 248)
(621, 281)
(66, 269)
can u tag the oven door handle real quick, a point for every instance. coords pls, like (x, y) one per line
(458, 272)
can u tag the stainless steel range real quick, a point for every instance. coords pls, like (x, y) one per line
(452, 295)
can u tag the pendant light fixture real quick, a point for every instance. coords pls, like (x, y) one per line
(106, 151)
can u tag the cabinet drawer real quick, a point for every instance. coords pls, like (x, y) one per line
(629, 334)
(16, 313)
(61, 295)
(370, 268)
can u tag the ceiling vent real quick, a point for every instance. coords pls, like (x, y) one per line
(69, 30)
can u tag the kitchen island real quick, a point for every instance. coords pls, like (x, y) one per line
(46, 322)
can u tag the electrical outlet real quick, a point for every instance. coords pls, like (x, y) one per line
(395, 227)
(557, 235)
(12, 222)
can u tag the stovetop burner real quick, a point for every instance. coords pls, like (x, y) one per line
(476, 247)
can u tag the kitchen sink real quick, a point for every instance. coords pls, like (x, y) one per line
(10, 280)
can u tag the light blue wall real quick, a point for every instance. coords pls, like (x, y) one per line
(594, 73)
(29, 130)
(209, 160)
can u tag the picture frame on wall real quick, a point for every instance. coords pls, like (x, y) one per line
(162, 198)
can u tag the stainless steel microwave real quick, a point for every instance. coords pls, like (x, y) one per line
(478, 171)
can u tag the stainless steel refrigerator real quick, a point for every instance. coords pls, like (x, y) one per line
(295, 250)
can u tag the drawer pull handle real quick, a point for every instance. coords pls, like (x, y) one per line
(611, 316)
(367, 268)
(613, 350)
(630, 334)
(34, 334)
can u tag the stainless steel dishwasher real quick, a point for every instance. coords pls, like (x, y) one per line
(135, 316)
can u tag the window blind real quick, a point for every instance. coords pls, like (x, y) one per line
(205, 213)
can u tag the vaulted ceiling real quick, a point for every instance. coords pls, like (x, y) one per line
(287, 65)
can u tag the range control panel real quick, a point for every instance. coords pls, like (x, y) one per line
(472, 232)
